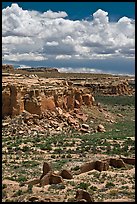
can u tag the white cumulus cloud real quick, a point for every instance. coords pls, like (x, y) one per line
(31, 35)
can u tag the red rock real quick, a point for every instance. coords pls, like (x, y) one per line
(45, 180)
(117, 163)
(77, 104)
(6, 100)
(46, 169)
(128, 160)
(101, 166)
(70, 102)
(48, 103)
(82, 194)
(32, 106)
(86, 99)
(87, 167)
(55, 179)
(66, 174)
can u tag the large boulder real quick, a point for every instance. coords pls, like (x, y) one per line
(87, 167)
(117, 163)
(66, 174)
(46, 169)
(101, 166)
(82, 194)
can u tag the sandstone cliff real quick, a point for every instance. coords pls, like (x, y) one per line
(39, 95)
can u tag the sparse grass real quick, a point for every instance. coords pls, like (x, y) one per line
(117, 101)
(83, 186)
(109, 185)
(18, 193)
(57, 149)
(59, 163)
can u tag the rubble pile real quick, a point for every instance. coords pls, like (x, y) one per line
(43, 104)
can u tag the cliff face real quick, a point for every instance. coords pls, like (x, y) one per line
(38, 95)
(34, 96)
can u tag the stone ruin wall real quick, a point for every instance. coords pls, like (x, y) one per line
(16, 99)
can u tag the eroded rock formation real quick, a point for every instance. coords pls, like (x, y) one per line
(39, 95)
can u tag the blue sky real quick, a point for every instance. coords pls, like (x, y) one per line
(80, 10)
(73, 36)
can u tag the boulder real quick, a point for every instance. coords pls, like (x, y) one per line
(66, 174)
(117, 163)
(81, 116)
(87, 167)
(100, 128)
(46, 169)
(82, 194)
(55, 179)
(128, 160)
(84, 130)
(45, 180)
(72, 120)
(101, 166)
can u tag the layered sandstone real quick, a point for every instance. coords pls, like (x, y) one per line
(36, 95)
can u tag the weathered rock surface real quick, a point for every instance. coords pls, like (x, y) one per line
(45, 180)
(117, 163)
(82, 194)
(46, 169)
(87, 167)
(128, 160)
(66, 174)
(36, 96)
(55, 179)
(51, 178)
(101, 166)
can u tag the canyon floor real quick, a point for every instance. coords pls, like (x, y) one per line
(68, 140)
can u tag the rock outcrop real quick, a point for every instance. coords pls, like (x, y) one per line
(7, 68)
(36, 97)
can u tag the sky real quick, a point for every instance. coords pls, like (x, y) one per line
(96, 37)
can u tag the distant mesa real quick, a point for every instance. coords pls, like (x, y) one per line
(39, 69)
(10, 69)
